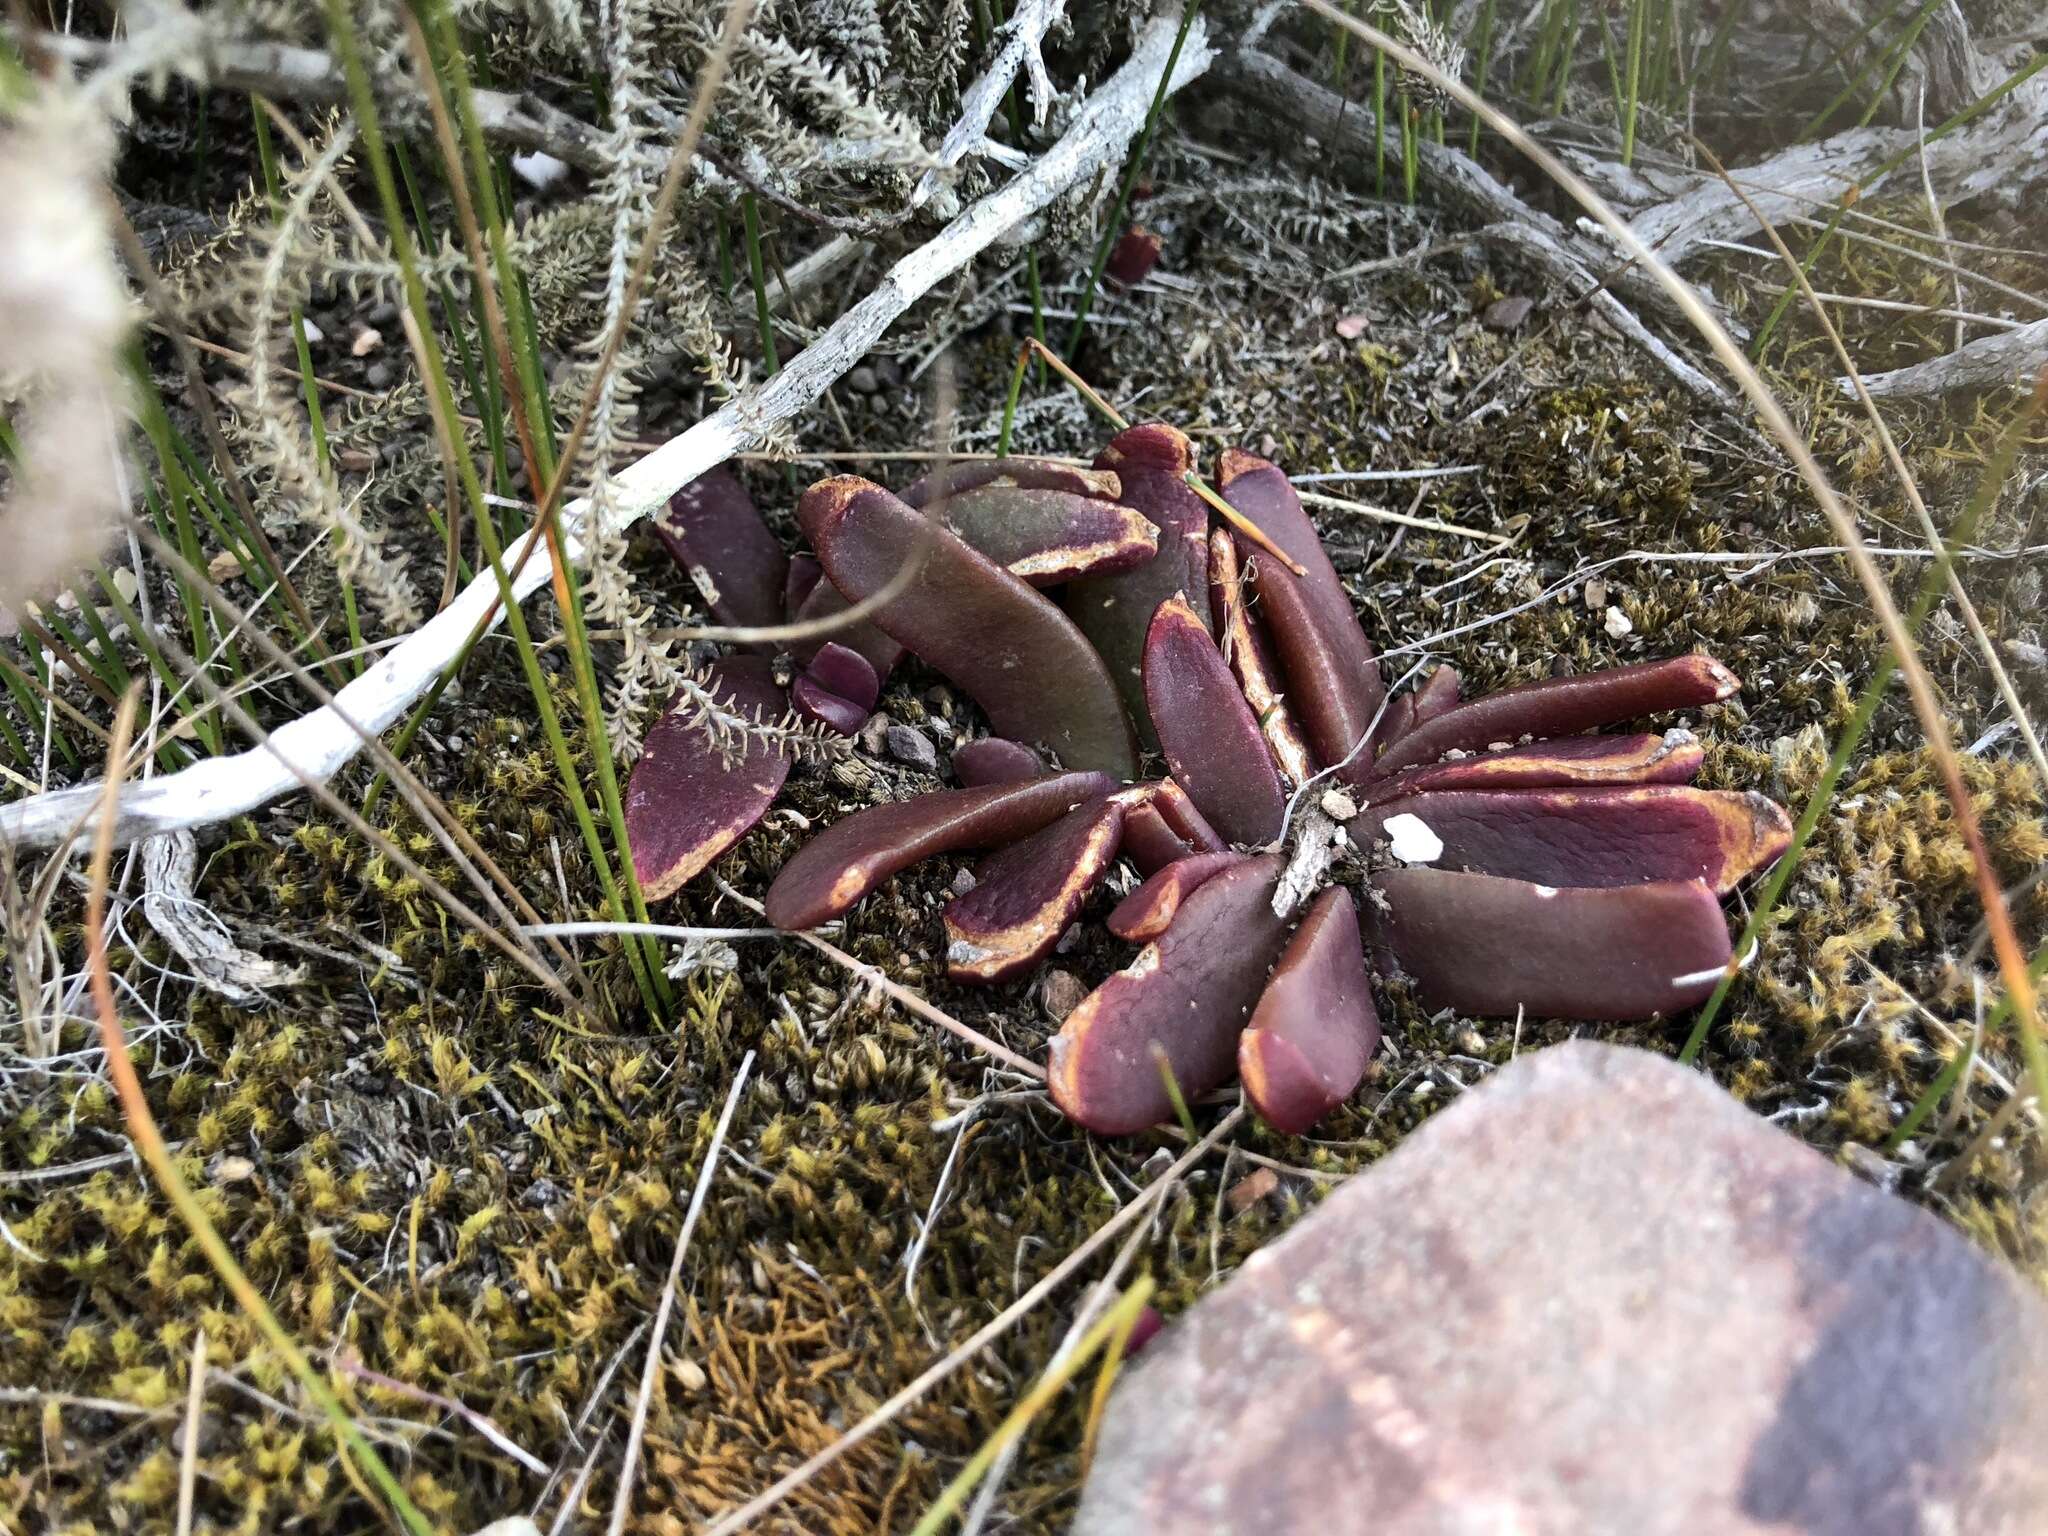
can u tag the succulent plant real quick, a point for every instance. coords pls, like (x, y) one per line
(1505, 858)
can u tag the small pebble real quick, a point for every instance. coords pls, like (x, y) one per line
(368, 339)
(539, 169)
(1617, 623)
(1060, 993)
(963, 882)
(874, 736)
(380, 375)
(1507, 314)
(1339, 806)
(912, 747)
(862, 381)
(1251, 1189)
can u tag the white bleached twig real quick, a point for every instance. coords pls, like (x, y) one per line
(1026, 29)
(317, 745)
(2010, 359)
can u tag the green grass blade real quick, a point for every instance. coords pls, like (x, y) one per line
(1113, 230)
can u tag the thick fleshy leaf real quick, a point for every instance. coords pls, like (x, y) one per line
(1049, 537)
(821, 706)
(1148, 911)
(804, 574)
(1149, 842)
(1003, 644)
(848, 859)
(1251, 661)
(1025, 896)
(1185, 817)
(1315, 1027)
(1151, 462)
(996, 760)
(686, 802)
(1599, 836)
(1161, 824)
(1563, 706)
(713, 532)
(1398, 719)
(842, 670)
(1189, 992)
(1027, 474)
(1133, 257)
(1672, 758)
(1486, 945)
(825, 601)
(1440, 691)
(1207, 729)
(1332, 678)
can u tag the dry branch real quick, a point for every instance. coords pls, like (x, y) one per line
(1460, 184)
(318, 745)
(2008, 360)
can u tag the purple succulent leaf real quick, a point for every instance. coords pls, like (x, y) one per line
(712, 530)
(816, 703)
(1151, 1321)
(848, 859)
(1050, 537)
(1150, 842)
(804, 575)
(1589, 836)
(1148, 911)
(996, 760)
(1561, 706)
(1315, 1027)
(1440, 691)
(1251, 661)
(1185, 817)
(1399, 718)
(827, 602)
(1673, 758)
(1331, 674)
(1208, 731)
(999, 641)
(686, 801)
(1028, 474)
(1025, 896)
(1133, 257)
(1491, 946)
(842, 670)
(1189, 992)
(1151, 462)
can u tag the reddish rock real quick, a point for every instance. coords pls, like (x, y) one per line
(1594, 1295)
